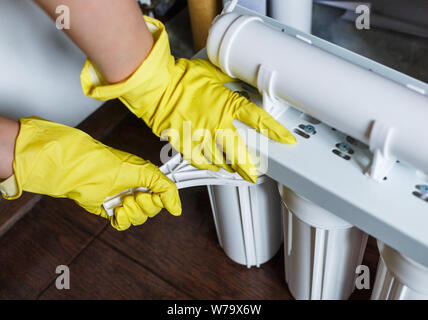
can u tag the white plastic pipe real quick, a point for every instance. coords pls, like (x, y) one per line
(294, 13)
(375, 110)
(184, 175)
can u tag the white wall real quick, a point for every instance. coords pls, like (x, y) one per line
(39, 67)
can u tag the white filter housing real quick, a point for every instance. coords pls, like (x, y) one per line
(248, 221)
(398, 277)
(321, 251)
(389, 117)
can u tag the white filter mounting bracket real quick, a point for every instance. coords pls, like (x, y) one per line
(382, 162)
(184, 175)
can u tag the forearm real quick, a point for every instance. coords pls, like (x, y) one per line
(112, 33)
(9, 130)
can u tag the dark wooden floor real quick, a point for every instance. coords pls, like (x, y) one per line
(166, 258)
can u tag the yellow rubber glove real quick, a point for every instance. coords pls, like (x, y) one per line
(169, 94)
(64, 162)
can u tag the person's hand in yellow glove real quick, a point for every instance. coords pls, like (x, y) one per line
(169, 94)
(64, 162)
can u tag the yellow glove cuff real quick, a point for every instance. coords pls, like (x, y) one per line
(9, 188)
(152, 72)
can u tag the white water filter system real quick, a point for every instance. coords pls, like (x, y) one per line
(354, 100)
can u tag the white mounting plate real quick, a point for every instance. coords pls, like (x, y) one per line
(387, 210)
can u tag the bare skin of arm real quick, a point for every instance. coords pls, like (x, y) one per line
(8, 132)
(112, 33)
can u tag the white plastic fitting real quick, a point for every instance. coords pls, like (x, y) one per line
(183, 175)
(386, 115)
